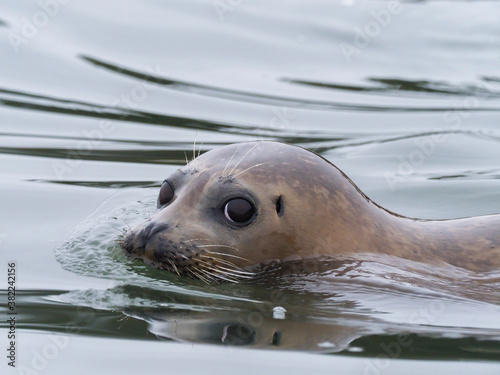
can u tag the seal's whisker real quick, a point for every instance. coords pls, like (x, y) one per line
(217, 261)
(116, 242)
(222, 270)
(207, 274)
(197, 239)
(225, 277)
(196, 272)
(199, 150)
(190, 270)
(214, 259)
(185, 154)
(193, 168)
(215, 265)
(252, 167)
(205, 263)
(232, 275)
(196, 160)
(234, 268)
(224, 171)
(129, 228)
(227, 246)
(244, 156)
(122, 231)
(215, 272)
(228, 279)
(194, 145)
(174, 267)
(228, 255)
(222, 261)
(225, 254)
(199, 276)
(238, 272)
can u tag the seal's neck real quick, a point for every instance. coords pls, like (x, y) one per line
(470, 243)
(350, 223)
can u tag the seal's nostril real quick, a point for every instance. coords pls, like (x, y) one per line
(146, 231)
(157, 229)
(151, 229)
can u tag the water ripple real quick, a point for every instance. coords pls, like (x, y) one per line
(268, 99)
(397, 86)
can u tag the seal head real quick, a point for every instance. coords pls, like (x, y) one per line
(234, 207)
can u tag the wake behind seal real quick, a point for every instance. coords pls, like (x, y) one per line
(251, 203)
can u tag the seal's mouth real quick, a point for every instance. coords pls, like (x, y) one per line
(194, 259)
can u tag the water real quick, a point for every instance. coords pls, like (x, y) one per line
(99, 102)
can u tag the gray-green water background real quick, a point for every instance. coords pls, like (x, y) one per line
(100, 101)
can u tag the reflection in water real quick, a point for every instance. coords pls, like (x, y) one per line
(252, 329)
(290, 318)
(101, 313)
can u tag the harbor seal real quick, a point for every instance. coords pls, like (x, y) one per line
(246, 204)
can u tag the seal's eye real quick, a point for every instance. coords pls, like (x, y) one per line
(239, 211)
(166, 193)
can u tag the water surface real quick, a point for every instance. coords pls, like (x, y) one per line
(99, 102)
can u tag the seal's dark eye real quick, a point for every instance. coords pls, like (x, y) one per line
(239, 211)
(166, 193)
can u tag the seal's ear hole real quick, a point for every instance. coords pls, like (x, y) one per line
(279, 206)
